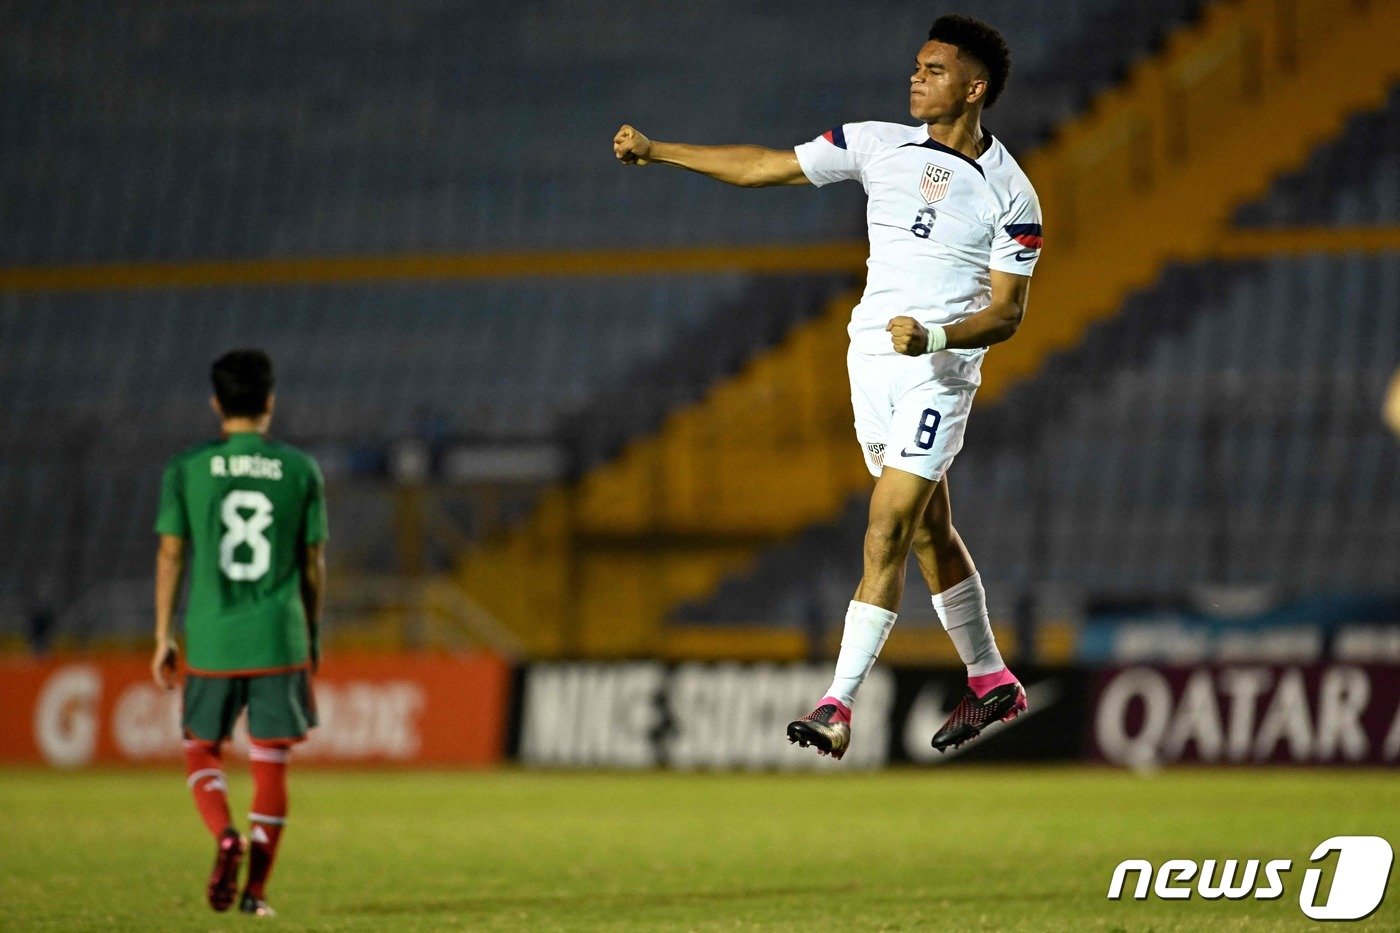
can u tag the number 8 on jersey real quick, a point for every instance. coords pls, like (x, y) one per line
(245, 531)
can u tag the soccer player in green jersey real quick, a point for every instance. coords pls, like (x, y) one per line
(247, 517)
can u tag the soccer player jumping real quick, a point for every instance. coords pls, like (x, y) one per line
(954, 229)
(254, 514)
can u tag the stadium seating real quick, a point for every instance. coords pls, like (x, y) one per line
(1352, 180)
(496, 360)
(140, 132)
(766, 454)
(144, 131)
(1223, 428)
(102, 386)
(395, 140)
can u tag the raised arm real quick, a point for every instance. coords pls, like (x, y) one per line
(170, 564)
(746, 166)
(993, 324)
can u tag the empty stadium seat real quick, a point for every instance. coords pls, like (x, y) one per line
(1354, 180)
(172, 131)
(1225, 427)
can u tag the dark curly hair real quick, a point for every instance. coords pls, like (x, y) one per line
(980, 41)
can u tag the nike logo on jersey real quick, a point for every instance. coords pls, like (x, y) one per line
(918, 453)
(1026, 255)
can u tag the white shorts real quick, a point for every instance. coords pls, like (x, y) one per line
(911, 411)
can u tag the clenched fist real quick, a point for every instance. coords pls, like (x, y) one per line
(631, 147)
(908, 336)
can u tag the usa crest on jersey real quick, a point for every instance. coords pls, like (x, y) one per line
(934, 184)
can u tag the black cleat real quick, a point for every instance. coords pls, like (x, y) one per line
(827, 728)
(223, 880)
(974, 713)
(248, 904)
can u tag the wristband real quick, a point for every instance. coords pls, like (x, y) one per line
(937, 338)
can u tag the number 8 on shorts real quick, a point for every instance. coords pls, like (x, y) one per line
(928, 427)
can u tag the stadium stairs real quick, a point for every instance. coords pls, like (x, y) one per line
(1221, 426)
(318, 204)
(1220, 429)
(601, 563)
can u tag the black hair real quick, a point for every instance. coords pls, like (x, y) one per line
(980, 41)
(242, 382)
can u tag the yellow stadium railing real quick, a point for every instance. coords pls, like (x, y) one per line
(1149, 175)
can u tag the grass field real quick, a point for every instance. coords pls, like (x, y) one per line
(955, 848)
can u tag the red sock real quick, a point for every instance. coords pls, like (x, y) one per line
(269, 765)
(206, 781)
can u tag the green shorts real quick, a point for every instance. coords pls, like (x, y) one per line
(280, 706)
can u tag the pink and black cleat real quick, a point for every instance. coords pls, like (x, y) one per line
(827, 728)
(223, 880)
(989, 698)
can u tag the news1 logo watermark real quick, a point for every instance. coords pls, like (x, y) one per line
(1359, 879)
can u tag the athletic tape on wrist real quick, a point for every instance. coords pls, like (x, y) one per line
(937, 338)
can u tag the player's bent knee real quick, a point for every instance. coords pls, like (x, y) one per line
(888, 539)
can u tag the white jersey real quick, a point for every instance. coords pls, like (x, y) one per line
(938, 221)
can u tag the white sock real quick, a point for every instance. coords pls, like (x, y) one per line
(867, 627)
(963, 611)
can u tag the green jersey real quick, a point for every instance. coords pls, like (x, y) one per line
(248, 507)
